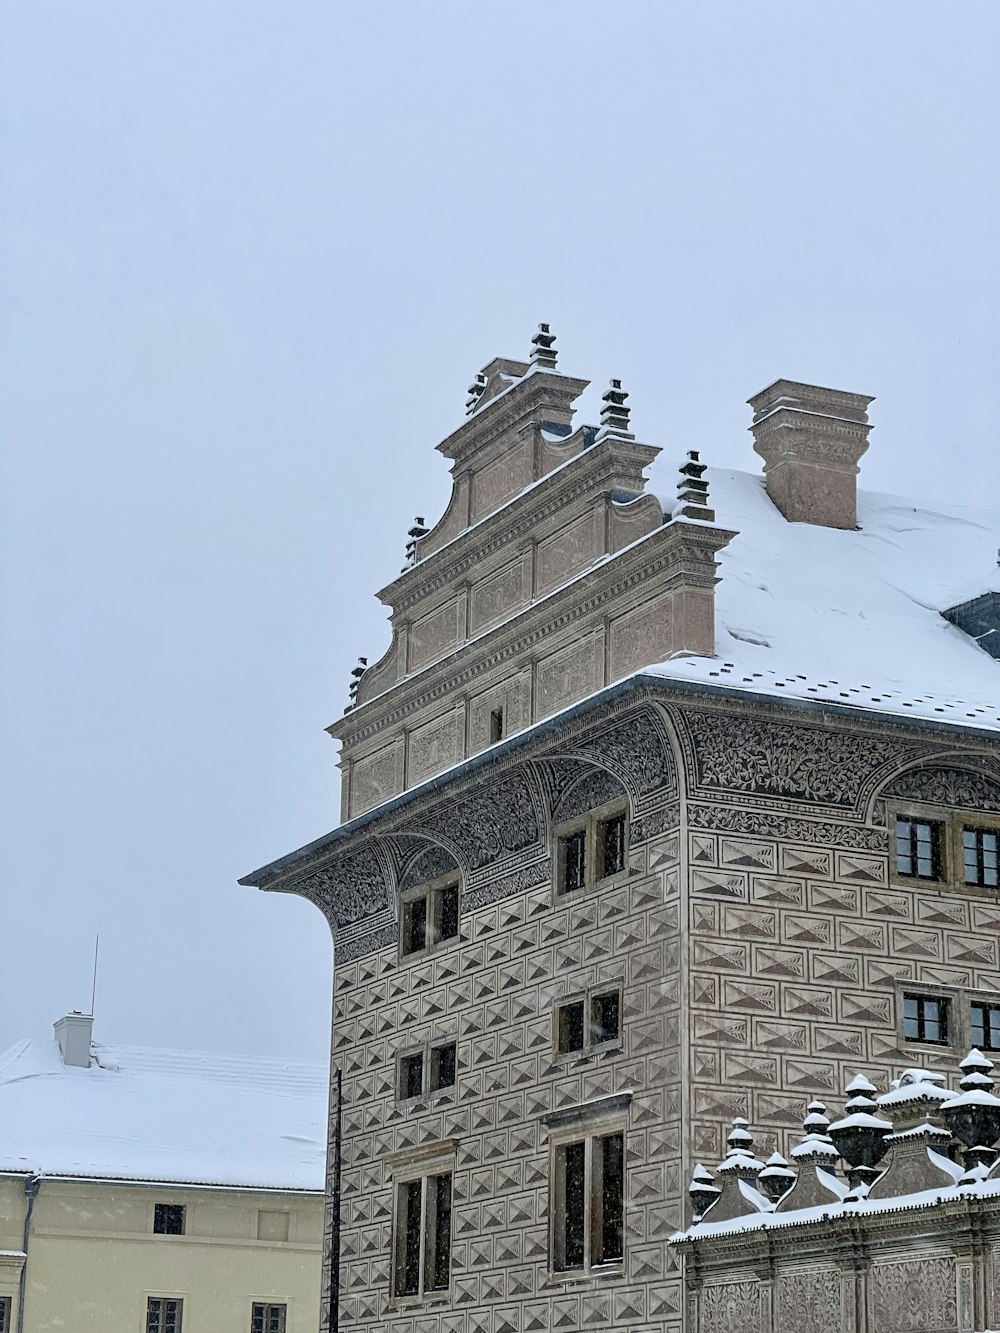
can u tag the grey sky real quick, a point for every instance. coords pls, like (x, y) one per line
(252, 254)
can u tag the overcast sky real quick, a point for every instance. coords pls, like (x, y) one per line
(252, 255)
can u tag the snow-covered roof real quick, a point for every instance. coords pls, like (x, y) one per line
(139, 1113)
(848, 618)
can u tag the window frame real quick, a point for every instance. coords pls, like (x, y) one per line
(407, 1169)
(987, 1004)
(587, 998)
(559, 1140)
(431, 892)
(161, 1327)
(6, 1314)
(267, 1306)
(427, 1053)
(168, 1208)
(939, 847)
(978, 825)
(920, 996)
(592, 825)
(952, 823)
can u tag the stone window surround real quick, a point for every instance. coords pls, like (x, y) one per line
(611, 1047)
(960, 1000)
(161, 1325)
(426, 1051)
(432, 1159)
(589, 1120)
(427, 890)
(591, 823)
(952, 822)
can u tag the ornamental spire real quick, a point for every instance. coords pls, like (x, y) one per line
(614, 413)
(543, 353)
(476, 390)
(692, 490)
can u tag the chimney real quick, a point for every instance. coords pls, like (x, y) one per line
(73, 1033)
(810, 440)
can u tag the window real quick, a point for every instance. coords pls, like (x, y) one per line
(267, 1318)
(582, 1025)
(168, 1219)
(428, 917)
(985, 1026)
(422, 1237)
(925, 1018)
(979, 856)
(426, 1071)
(592, 851)
(5, 1324)
(918, 848)
(496, 725)
(588, 1203)
(163, 1314)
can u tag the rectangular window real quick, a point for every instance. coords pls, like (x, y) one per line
(980, 856)
(168, 1219)
(411, 1075)
(918, 848)
(428, 917)
(986, 1027)
(574, 850)
(611, 835)
(163, 1314)
(570, 1034)
(443, 1067)
(267, 1318)
(496, 725)
(582, 1025)
(925, 1018)
(5, 1324)
(588, 1204)
(605, 1018)
(422, 1260)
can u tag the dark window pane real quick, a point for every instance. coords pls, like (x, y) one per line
(4, 1314)
(414, 925)
(411, 1075)
(979, 857)
(410, 1285)
(918, 844)
(496, 725)
(605, 1018)
(168, 1219)
(925, 1018)
(441, 1260)
(571, 1035)
(573, 1209)
(443, 1067)
(933, 1020)
(448, 912)
(979, 1025)
(575, 861)
(609, 1199)
(613, 839)
(904, 859)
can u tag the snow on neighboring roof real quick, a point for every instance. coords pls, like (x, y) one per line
(848, 618)
(156, 1115)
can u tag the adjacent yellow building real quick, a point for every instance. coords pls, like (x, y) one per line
(154, 1191)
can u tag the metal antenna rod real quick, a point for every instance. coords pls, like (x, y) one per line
(93, 993)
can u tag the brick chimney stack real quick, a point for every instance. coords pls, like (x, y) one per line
(810, 440)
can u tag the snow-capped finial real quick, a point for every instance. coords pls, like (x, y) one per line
(415, 533)
(692, 490)
(476, 390)
(614, 413)
(543, 353)
(974, 1115)
(356, 673)
(703, 1192)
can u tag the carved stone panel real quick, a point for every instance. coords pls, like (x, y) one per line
(948, 786)
(808, 1299)
(565, 676)
(918, 1296)
(565, 553)
(640, 637)
(434, 746)
(434, 634)
(496, 596)
(376, 777)
(730, 1307)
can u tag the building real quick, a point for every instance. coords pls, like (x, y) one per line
(675, 799)
(153, 1191)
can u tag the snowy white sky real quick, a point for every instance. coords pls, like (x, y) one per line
(251, 257)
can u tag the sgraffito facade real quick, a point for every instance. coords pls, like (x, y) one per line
(756, 931)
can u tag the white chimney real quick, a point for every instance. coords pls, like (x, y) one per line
(73, 1033)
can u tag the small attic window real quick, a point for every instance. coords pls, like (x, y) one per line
(980, 619)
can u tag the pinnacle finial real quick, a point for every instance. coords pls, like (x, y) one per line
(543, 353)
(692, 490)
(476, 390)
(614, 413)
(356, 673)
(414, 534)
